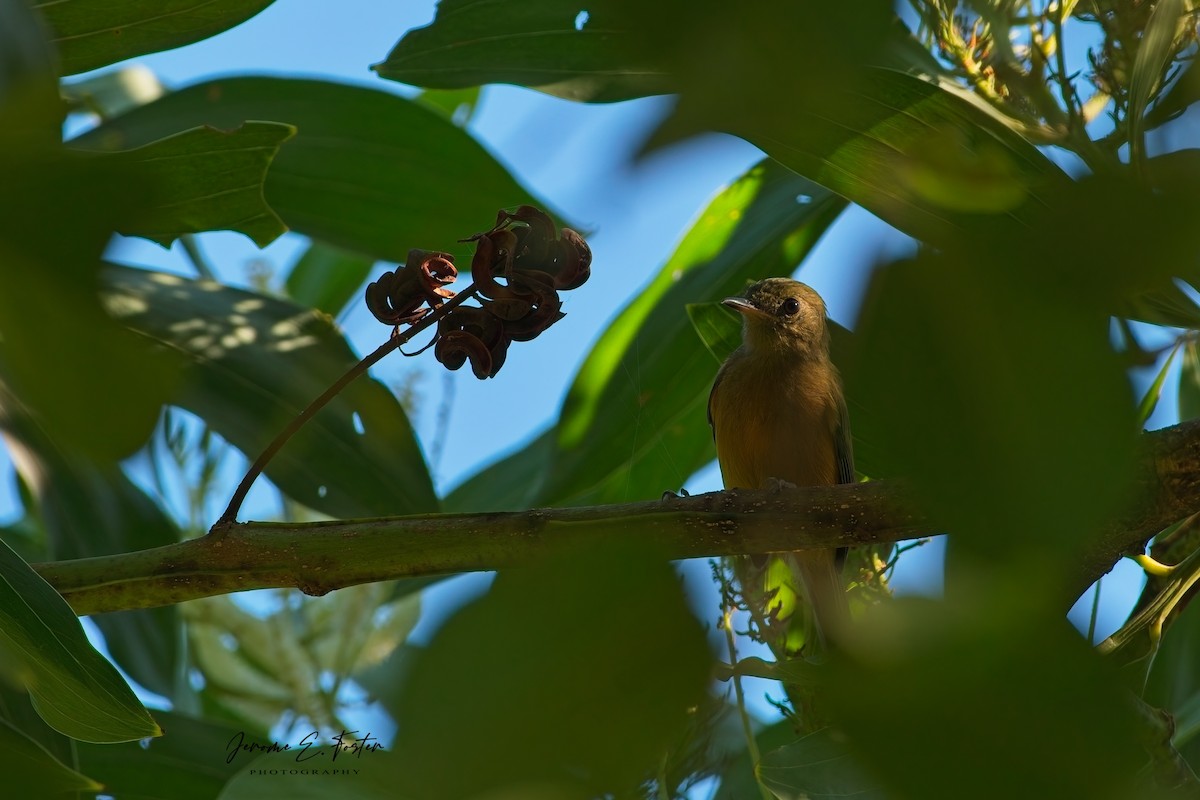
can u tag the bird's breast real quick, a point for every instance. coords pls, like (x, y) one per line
(776, 421)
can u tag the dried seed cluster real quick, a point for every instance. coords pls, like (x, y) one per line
(519, 267)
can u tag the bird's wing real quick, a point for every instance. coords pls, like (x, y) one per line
(843, 444)
(712, 395)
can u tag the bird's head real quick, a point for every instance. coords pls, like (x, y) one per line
(782, 314)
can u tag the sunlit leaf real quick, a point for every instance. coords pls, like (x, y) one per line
(75, 690)
(209, 180)
(92, 33)
(249, 363)
(717, 327)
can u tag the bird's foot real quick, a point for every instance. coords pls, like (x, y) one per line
(669, 495)
(777, 485)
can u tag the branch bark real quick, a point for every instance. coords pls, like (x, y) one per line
(322, 556)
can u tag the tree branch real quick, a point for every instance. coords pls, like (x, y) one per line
(322, 556)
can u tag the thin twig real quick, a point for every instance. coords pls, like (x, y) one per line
(747, 728)
(395, 342)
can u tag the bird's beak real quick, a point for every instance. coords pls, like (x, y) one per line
(743, 306)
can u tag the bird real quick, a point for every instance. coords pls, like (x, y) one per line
(778, 416)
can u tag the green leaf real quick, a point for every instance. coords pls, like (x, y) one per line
(1154, 390)
(580, 51)
(249, 363)
(718, 328)
(458, 105)
(738, 776)
(494, 665)
(984, 699)
(817, 767)
(30, 107)
(367, 171)
(1154, 53)
(327, 278)
(1189, 382)
(93, 33)
(635, 422)
(930, 159)
(90, 509)
(75, 690)
(1173, 683)
(57, 214)
(30, 771)
(186, 763)
(982, 379)
(209, 180)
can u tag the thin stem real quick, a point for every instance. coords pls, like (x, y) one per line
(1095, 612)
(747, 729)
(191, 249)
(229, 516)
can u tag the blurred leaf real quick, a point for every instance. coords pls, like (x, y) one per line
(367, 171)
(1174, 680)
(922, 154)
(984, 700)
(1178, 97)
(1189, 382)
(1154, 54)
(983, 378)
(16, 709)
(547, 632)
(188, 762)
(73, 687)
(327, 278)
(209, 180)
(249, 363)
(926, 158)
(737, 778)
(817, 767)
(718, 328)
(312, 774)
(634, 422)
(579, 51)
(57, 213)
(30, 771)
(93, 33)
(114, 92)
(1167, 305)
(29, 102)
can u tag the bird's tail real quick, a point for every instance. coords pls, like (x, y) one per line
(826, 595)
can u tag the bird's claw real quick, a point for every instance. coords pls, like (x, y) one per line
(777, 485)
(669, 495)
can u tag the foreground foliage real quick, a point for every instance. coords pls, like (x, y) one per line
(991, 371)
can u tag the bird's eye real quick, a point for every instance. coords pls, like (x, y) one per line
(789, 307)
